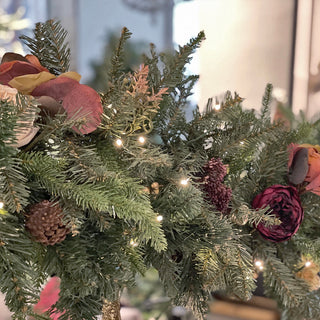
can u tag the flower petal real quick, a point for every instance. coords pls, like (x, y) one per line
(10, 70)
(56, 88)
(25, 84)
(285, 204)
(78, 100)
(12, 56)
(72, 75)
(8, 93)
(314, 185)
(24, 137)
(299, 166)
(84, 102)
(35, 61)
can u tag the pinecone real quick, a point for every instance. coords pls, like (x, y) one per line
(217, 192)
(44, 222)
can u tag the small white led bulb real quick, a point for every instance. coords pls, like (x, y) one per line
(142, 139)
(119, 143)
(133, 243)
(184, 182)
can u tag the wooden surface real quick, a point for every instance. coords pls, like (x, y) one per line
(258, 308)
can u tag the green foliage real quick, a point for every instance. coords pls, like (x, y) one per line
(18, 277)
(137, 205)
(48, 45)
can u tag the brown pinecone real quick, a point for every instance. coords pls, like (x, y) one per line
(44, 222)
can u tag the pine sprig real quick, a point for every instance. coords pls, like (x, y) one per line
(13, 184)
(16, 272)
(48, 45)
(116, 71)
(174, 66)
(115, 196)
(266, 101)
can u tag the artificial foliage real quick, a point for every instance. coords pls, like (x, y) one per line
(133, 190)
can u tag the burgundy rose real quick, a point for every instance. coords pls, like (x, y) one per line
(285, 204)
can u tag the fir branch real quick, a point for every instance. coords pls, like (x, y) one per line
(49, 46)
(174, 66)
(17, 276)
(266, 100)
(116, 70)
(116, 196)
(13, 186)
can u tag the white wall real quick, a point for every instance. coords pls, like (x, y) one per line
(248, 44)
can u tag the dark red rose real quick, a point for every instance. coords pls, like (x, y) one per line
(285, 204)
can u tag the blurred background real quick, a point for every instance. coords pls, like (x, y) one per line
(249, 43)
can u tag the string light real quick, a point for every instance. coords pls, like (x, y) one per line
(242, 142)
(184, 182)
(259, 264)
(142, 139)
(119, 143)
(217, 107)
(159, 218)
(307, 264)
(1, 205)
(133, 243)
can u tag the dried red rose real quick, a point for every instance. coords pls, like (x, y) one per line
(285, 204)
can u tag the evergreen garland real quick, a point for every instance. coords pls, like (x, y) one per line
(113, 187)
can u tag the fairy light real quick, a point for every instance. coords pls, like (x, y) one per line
(242, 142)
(307, 264)
(142, 139)
(1, 205)
(119, 143)
(159, 218)
(184, 182)
(259, 264)
(217, 107)
(133, 243)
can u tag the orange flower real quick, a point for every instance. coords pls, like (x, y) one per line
(304, 166)
(29, 77)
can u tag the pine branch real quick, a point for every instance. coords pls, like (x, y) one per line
(13, 186)
(49, 46)
(13, 183)
(17, 275)
(116, 196)
(116, 70)
(266, 100)
(174, 66)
